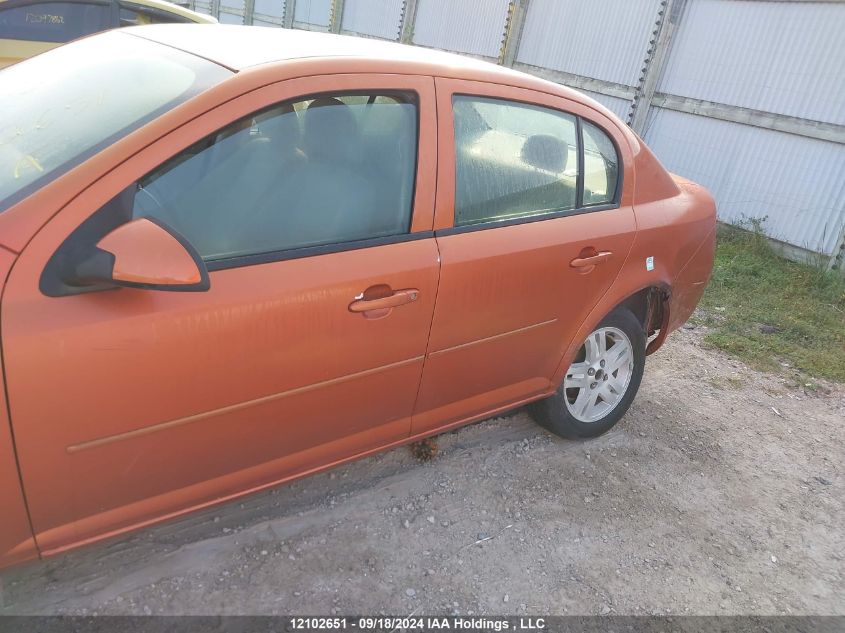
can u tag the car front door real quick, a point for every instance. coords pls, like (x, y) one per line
(311, 202)
(533, 223)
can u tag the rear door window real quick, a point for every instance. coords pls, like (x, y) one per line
(54, 21)
(513, 160)
(601, 166)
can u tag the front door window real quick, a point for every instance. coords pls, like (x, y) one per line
(327, 170)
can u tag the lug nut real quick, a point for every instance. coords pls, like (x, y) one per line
(604, 377)
(593, 385)
(591, 371)
(601, 362)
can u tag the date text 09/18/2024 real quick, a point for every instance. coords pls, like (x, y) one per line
(419, 623)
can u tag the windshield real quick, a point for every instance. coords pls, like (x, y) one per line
(61, 107)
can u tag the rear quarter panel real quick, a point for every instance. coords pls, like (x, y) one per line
(16, 542)
(676, 227)
(678, 232)
(697, 252)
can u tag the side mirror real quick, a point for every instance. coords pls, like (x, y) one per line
(143, 254)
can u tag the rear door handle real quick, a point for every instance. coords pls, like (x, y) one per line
(591, 260)
(398, 298)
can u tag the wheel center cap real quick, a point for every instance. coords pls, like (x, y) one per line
(599, 374)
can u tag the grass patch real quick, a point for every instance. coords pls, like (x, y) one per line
(730, 382)
(766, 310)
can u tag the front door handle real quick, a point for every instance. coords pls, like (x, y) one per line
(589, 261)
(398, 298)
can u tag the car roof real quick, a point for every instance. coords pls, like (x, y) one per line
(239, 47)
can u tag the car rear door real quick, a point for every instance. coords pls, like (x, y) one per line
(526, 250)
(129, 405)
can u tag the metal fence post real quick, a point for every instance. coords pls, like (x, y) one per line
(837, 261)
(517, 9)
(215, 8)
(656, 57)
(409, 17)
(249, 11)
(336, 17)
(287, 14)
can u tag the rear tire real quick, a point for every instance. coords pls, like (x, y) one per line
(601, 383)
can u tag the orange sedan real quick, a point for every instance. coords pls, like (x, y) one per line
(371, 243)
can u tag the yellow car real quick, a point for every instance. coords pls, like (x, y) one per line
(29, 27)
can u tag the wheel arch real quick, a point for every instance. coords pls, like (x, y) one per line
(649, 304)
(644, 304)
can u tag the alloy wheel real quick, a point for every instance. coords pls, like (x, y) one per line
(598, 379)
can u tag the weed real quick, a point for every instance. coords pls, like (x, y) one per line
(425, 450)
(773, 313)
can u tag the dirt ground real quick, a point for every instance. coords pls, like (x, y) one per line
(722, 491)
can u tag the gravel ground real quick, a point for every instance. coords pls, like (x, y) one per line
(721, 492)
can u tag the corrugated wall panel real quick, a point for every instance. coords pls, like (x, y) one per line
(275, 8)
(779, 57)
(798, 182)
(467, 26)
(312, 13)
(230, 18)
(618, 106)
(378, 18)
(604, 39)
